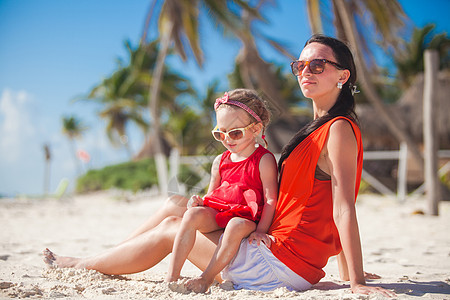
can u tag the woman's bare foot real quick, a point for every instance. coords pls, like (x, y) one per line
(55, 261)
(198, 284)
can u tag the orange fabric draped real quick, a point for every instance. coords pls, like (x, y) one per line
(303, 226)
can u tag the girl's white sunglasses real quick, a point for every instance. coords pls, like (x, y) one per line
(234, 134)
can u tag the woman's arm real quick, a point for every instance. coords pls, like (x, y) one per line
(269, 179)
(342, 266)
(343, 269)
(341, 157)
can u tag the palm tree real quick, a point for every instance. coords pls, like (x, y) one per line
(172, 86)
(118, 109)
(255, 72)
(73, 129)
(120, 96)
(387, 18)
(173, 15)
(123, 95)
(178, 20)
(409, 60)
(118, 113)
(48, 158)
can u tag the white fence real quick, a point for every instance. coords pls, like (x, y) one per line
(197, 163)
(402, 157)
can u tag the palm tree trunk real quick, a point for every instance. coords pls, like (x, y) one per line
(254, 68)
(47, 178)
(48, 158)
(127, 147)
(397, 129)
(315, 22)
(75, 158)
(153, 107)
(147, 22)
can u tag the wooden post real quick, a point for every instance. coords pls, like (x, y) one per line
(402, 172)
(430, 133)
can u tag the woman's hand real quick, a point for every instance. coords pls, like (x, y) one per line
(365, 290)
(370, 276)
(195, 201)
(259, 237)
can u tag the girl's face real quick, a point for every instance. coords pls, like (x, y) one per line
(229, 118)
(316, 86)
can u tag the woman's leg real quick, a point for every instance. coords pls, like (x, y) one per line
(196, 218)
(174, 206)
(144, 250)
(135, 255)
(236, 230)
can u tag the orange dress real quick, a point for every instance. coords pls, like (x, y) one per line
(303, 226)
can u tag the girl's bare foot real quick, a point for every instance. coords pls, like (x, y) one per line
(171, 278)
(55, 261)
(198, 284)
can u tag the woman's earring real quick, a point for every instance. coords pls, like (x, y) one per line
(256, 143)
(339, 85)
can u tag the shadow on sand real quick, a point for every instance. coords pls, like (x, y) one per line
(411, 288)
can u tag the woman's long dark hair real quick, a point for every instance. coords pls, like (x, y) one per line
(345, 104)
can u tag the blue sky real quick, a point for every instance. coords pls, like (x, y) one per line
(53, 51)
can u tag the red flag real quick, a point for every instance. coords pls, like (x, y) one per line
(83, 156)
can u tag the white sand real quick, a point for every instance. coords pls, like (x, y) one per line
(411, 252)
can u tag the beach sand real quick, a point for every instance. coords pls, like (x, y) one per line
(410, 251)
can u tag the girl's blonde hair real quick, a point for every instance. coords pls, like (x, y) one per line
(251, 99)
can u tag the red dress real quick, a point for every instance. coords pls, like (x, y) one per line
(240, 193)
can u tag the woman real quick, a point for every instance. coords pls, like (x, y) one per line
(315, 217)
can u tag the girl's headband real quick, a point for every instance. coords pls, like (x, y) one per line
(225, 100)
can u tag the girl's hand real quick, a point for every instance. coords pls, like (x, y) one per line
(259, 237)
(365, 290)
(195, 201)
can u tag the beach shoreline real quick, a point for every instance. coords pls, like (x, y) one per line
(409, 250)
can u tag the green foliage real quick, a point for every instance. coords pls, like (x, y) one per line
(410, 61)
(364, 187)
(445, 179)
(127, 176)
(134, 176)
(72, 127)
(188, 178)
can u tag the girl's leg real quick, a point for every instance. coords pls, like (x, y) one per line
(134, 255)
(174, 206)
(236, 230)
(196, 218)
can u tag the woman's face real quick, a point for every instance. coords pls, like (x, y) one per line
(317, 86)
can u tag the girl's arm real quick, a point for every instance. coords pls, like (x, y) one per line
(214, 182)
(269, 178)
(341, 157)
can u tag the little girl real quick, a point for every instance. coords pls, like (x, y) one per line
(240, 198)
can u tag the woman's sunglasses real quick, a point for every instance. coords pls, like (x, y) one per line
(316, 66)
(234, 134)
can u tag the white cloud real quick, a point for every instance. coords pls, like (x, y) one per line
(24, 128)
(16, 125)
